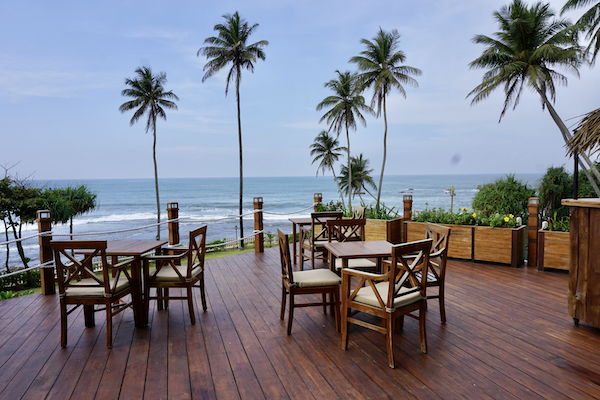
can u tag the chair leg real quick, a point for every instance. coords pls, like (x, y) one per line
(159, 298)
(202, 294)
(422, 330)
(166, 298)
(290, 315)
(442, 305)
(344, 324)
(283, 301)
(324, 297)
(390, 340)
(109, 325)
(63, 324)
(191, 305)
(336, 297)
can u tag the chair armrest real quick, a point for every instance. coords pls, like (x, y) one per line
(123, 264)
(363, 274)
(166, 257)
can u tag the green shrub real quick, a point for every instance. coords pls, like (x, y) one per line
(555, 185)
(505, 196)
(20, 281)
(371, 210)
(465, 217)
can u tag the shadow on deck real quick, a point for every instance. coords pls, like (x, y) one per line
(508, 335)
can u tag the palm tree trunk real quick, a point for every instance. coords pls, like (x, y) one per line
(567, 138)
(156, 179)
(384, 152)
(349, 169)
(237, 93)
(339, 188)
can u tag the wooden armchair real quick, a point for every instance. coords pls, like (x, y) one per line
(314, 238)
(389, 296)
(347, 230)
(170, 274)
(79, 285)
(316, 281)
(358, 212)
(436, 275)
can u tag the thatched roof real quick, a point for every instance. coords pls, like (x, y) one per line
(587, 134)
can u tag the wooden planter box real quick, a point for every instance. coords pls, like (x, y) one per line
(478, 243)
(554, 250)
(381, 229)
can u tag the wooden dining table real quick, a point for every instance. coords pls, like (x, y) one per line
(345, 251)
(299, 221)
(139, 272)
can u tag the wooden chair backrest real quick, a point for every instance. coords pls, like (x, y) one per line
(196, 249)
(346, 230)
(71, 270)
(287, 270)
(358, 212)
(319, 220)
(404, 266)
(439, 249)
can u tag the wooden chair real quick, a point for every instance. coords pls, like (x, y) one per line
(79, 285)
(347, 230)
(358, 212)
(316, 281)
(169, 274)
(314, 238)
(390, 296)
(436, 275)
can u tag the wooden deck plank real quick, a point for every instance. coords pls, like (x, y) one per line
(508, 336)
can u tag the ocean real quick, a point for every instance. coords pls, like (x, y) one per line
(131, 203)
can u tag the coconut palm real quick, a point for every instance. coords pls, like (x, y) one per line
(230, 48)
(345, 107)
(149, 97)
(590, 21)
(361, 177)
(524, 53)
(382, 70)
(326, 150)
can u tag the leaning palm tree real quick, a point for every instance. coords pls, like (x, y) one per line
(382, 70)
(230, 47)
(149, 97)
(346, 106)
(361, 177)
(326, 149)
(590, 22)
(523, 53)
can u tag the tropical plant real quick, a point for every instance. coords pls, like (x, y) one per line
(584, 188)
(504, 196)
(230, 47)
(466, 217)
(382, 70)
(345, 107)
(361, 178)
(327, 150)
(523, 53)
(555, 185)
(66, 203)
(590, 22)
(149, 97)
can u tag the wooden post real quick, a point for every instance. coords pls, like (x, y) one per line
(407, 206)
(173, 213)
(44, 220)
(259, 244)
(318, 198)
(532, 229)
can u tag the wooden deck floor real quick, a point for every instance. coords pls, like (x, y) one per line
(508, 336)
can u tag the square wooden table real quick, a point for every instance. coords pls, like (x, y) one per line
(139, 275)
(358, 249)
(300, 221)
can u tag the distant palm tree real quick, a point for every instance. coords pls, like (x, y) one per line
(230, 47)
(523, 53)
(67, 203)
(326, 149)
(346, 105)
(361, 177)
(382, 70)
(149, 97)
(590, 21)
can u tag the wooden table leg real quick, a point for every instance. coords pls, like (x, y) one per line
(294, 241)
(137, 295)
(88, 315)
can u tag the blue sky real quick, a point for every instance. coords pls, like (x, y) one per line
(63, 66)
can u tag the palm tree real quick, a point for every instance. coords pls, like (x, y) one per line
(382, 70)
(149, 97)
(523, 53)
(346, 105)
(326, 149)
(361, 177)
(230, 47)
(67, 203)
(590, 21)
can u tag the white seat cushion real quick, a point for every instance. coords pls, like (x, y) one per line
(318, 242)
(168, 274)
(357, 263)
(94, 290)
(316, 278)
(366, 296)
